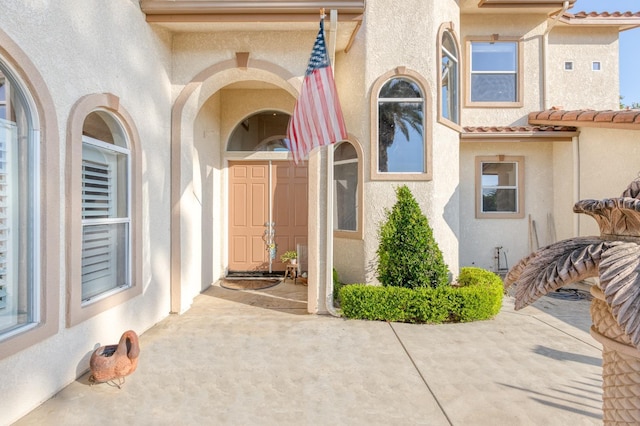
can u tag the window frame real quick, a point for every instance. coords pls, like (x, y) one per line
(357, 234)
(402, 72)
(77, 310)
(119, 220)
(447, 28)
(519, 72)
(48, 248)
(519, 160)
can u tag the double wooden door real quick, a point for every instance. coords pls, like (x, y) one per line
(262, 192)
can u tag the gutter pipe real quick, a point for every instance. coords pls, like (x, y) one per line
(333, 26)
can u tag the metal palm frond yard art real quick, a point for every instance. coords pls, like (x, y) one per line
(613, 257)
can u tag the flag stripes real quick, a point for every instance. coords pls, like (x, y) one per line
(317, 116)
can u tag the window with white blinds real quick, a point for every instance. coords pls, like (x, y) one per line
(105, 218)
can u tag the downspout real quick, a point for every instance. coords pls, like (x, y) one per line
(333, 26)
(575, 144)
(545, 47)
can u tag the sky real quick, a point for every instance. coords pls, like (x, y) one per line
(629, 43)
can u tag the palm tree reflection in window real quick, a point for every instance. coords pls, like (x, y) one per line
(400, 127)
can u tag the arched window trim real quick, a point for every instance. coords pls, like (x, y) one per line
(357, 234)
(447, 27)
(78, 312)
(401, 72)
(45, 132)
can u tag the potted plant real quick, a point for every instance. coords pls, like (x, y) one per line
(289, 256)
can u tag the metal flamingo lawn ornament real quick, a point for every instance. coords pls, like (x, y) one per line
(613, 257)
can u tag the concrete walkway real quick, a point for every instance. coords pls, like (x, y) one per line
(257, 358)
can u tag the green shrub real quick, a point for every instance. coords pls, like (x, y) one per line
(472, 301)
(336, 285)
(408, 255)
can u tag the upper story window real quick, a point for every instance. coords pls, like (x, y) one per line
(347, 171)
(495, 73)
(499, 187)
(449, 97)
(402, 142)
(104, 175)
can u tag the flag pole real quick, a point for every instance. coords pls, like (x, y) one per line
(333, 22)
(317, 120)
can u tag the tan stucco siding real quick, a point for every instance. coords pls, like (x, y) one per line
(529, 28)
(583, 88)
(81, 48)
(609, 161)
(479, 237)
(412, 45)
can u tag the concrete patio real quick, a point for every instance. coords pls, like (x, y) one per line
(257, 358)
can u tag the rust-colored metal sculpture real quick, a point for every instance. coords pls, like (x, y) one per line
(614, 258)
(114, 362)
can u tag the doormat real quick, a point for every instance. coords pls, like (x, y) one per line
(249, 284)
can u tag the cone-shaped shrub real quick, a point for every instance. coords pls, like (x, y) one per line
(408, 256)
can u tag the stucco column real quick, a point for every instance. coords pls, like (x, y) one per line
(317, 234)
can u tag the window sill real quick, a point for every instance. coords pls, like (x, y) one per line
(499, 215)
(470, 104)
(402, 176)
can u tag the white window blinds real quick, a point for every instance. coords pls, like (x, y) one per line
(105, 223)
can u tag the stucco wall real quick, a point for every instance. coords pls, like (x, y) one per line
(413, 45)
(530, 28)
(564, 196)
(583, 88)
(479, 237)
(207, 190)
(84, 47)
(609, 161)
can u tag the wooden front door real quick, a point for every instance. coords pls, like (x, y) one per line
(261, 192)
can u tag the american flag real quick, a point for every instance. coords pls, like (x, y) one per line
(317, 117)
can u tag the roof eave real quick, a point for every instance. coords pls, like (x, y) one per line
(251, 8)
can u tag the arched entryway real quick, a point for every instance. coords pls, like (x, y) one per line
(205, 113)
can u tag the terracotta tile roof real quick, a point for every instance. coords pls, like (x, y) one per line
(517, 129)
(583, 15)
(517, 133)
(622, 20)
(624, 118)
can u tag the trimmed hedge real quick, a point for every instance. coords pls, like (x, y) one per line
(478, 296)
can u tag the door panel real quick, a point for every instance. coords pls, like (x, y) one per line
(290, 203)
(250, 200)
(248, 211)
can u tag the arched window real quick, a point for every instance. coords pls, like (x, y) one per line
(263, 131)
(29, 204)
(104, 218)
(449, 93)
(19, 207)
(347, 178)
(402, 142)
